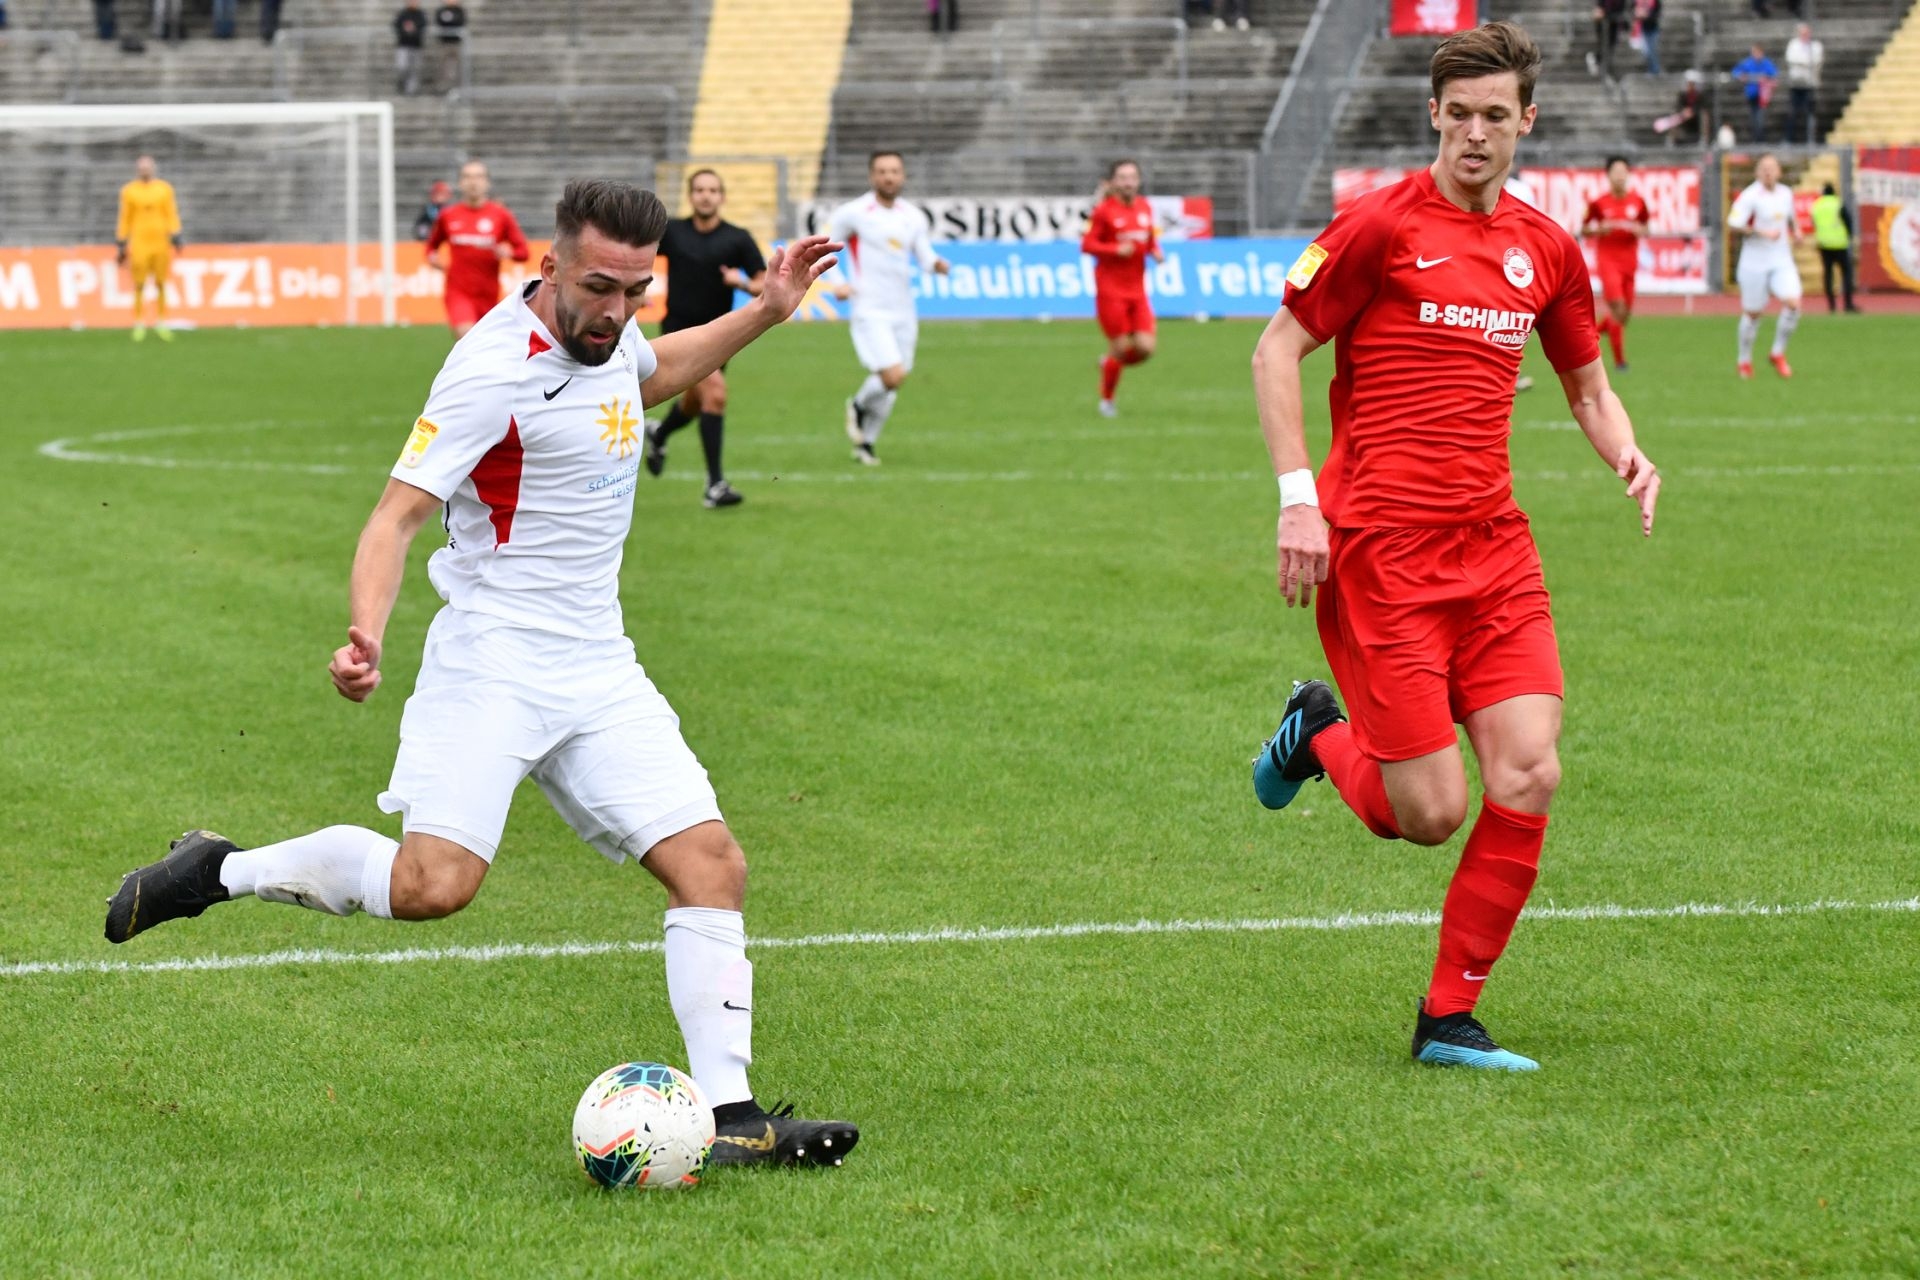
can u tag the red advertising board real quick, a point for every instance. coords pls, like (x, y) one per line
(1886, 191)
(1673, 258)
(1433, 17)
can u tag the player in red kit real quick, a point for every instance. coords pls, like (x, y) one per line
(1120, 237)
(1618, 220)
(479, 234)
(1432, 607)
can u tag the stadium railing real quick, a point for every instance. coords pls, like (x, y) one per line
(1307, 112)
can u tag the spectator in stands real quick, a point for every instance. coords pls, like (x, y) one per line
(1795, 7)
(1691, 118)
(223, 18)
(947, 11)
(1757, 72)
(1646, 17)
(450, 24)
(1804, 58)
(3, 21)
(437, 197)
(1236, 12)
(166, 20)
(103, 19)
(1609, 16)
(269, 20)
(410, 39)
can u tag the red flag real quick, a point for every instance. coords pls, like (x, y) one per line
(1433, 17)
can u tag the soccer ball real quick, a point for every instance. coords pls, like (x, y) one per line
(643, 1124)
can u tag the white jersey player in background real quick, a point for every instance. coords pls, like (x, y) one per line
(886, 238)
(1763, 213)
(529, 443)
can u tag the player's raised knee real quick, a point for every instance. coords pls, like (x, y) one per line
(893, 377)
(1430, 821)
(1526, 784)
(702, 866)
(433, 878)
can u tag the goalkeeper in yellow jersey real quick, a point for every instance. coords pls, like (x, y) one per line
(148, 234)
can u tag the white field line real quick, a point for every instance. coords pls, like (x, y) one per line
(923, 937)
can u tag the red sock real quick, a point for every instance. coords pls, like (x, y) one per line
(1109, 377)
(1496, 873)
(1356, 776)
(1617, 339)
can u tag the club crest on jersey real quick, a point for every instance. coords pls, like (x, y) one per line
(418, 443)
(1518, 266)
(618, 427)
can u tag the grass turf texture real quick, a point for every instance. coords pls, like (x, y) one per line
(1014, 677)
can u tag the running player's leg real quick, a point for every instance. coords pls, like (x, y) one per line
(1753, 304)
(1619, 295)
(902, 337)
(1141, 330)
(162, 272)
(879, 354)
(1386, 622)
(1784, 283)
(463, 312)
(634, 789)
(1110, 311)
(138, 272)
(713, 426)
(1506, 687)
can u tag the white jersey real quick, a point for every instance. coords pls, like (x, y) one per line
(884, 244)
(1764, 210)
(534, 455)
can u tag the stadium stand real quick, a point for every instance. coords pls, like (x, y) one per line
(1886, 107)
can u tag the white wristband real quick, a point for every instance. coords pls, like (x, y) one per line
(1296, 489)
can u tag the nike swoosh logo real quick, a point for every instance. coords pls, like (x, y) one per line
(557, 390)
(1471, 976)
(737, 1008)
(1421, 264)
(762, 1143)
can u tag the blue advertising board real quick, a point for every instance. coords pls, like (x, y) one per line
(1007, 280)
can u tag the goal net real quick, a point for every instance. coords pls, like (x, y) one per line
(287, 211)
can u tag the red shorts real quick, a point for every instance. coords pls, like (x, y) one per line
(1616, 281)
(464, 309)
(1423, 627)
(1123, 313)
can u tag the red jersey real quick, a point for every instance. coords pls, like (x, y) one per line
(471, 234)
(1429, 308)
(1623, 246)
(1113, 223)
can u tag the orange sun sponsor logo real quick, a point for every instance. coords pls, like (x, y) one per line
(619, 428)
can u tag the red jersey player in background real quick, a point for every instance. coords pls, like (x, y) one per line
(1433, 610)
(1619, 221)
(1120, 237)
(479, 234)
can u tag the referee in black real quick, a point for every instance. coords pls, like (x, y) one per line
(707, 259)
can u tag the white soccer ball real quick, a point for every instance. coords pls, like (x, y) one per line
(643, 1124)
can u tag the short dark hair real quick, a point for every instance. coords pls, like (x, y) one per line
(707, 173)
(881, 155)
(1826, 189)
(1487, 50)
(617, 210)
(1116, 166)
(1614, 160)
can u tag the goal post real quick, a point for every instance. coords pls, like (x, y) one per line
(264, 131)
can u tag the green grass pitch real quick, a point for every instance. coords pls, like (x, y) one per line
(1013, 678)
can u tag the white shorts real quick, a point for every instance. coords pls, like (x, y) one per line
(1764, 280)
(882, 342)
(496, 702)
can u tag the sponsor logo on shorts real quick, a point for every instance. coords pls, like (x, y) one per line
(1503, 328)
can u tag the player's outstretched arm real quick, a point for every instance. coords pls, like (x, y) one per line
(378, 565)
(1604, 419)
(689, 355)
(1301, 542)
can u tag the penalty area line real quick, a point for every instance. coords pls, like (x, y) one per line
(922, 937)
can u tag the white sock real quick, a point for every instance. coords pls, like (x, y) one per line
(1783, 329)
(1749, 330)
(339, 870)
(710, 983)
(877, 415)
(869, 393)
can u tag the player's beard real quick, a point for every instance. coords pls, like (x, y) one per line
(573, 336)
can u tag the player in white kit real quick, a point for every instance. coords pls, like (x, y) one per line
(529, 448)
(886, 238)
(1763, 213)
